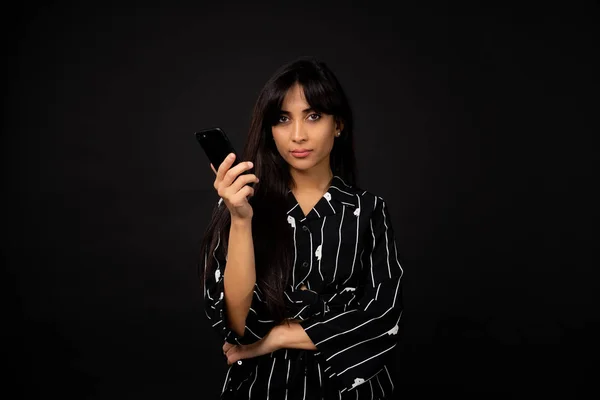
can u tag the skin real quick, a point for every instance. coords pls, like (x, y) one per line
(298, 127)
(301, 127)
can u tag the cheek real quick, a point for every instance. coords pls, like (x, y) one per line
(280, 149)
(327, 143)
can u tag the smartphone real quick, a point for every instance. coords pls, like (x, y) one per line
(217, 147)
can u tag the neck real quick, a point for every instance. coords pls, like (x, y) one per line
(314, 180)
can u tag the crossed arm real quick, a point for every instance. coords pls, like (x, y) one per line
(288, 335)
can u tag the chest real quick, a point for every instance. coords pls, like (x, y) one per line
(307, 202)
(329, 250)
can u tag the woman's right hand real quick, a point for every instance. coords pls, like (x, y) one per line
(232, 187)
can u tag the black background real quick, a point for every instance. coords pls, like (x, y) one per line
(473, 123)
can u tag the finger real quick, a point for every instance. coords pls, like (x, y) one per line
(238, 199)
(242, 181)
(303, 287)
(225, 165)
(240, 353)
(232, 174)
(227, 346)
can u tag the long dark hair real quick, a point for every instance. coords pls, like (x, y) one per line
(273, 242)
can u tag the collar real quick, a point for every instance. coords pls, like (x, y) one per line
(338, 195)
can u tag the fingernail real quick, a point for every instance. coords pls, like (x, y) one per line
(250, 164)
(231, 156)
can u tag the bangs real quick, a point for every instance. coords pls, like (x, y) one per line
(319, 92)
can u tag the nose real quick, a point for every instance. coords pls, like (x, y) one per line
(298, 133)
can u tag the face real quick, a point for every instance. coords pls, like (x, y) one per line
(301, 128)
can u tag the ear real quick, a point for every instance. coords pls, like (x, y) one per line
(339, 125)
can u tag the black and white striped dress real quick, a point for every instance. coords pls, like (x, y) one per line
(346, 255)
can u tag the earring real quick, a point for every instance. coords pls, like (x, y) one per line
(337, 134)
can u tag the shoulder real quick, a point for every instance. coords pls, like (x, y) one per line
(357, 195)
(368, 199)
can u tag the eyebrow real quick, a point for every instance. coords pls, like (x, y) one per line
(306, 110)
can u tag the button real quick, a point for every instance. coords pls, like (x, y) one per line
(305, 228)
(239, 362)
(305, 264)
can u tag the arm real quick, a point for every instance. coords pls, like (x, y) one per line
(288, 335)
(292, 336)
(242, 316)
(240, 275)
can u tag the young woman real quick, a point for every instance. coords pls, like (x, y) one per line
(300, 273)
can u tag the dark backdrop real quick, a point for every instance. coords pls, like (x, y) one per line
(473, 123)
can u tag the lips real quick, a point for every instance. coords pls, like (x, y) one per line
(301, 153)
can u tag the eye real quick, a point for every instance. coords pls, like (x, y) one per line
(281, 119)
(316, 117)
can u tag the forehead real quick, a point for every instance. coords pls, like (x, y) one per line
(294, 98)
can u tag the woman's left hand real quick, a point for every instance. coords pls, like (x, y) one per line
(268, 344)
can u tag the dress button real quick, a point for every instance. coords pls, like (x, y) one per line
(305, 264)
(239, 362)
(305, 228)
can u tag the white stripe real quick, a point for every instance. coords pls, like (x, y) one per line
(339, 244)
(335, 187)
(386, 240)
(371, 253)
(331, 319)
(295, 256)
(217, 323)
(370, 379)
(290, 210)
(364, 341)
(355, 244)
(322, 241)
(397, 261)
(328, 202)
(371, 385)
(270, 376)
(364, 361)
(250, 390)
(319, 370)
(252, 332)
(377, 292)
(381, 387)
(300, 312)
(226, 378)
(315, 210)
(287, 376)
(304, 396)
(215, 249)
(389, 377)
(337, 176)
(366, 322)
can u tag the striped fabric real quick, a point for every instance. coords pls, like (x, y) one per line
(345, 254)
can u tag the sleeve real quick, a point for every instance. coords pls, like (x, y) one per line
(258, 321)
(355, 343)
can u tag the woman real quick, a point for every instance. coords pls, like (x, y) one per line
(301, 275)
